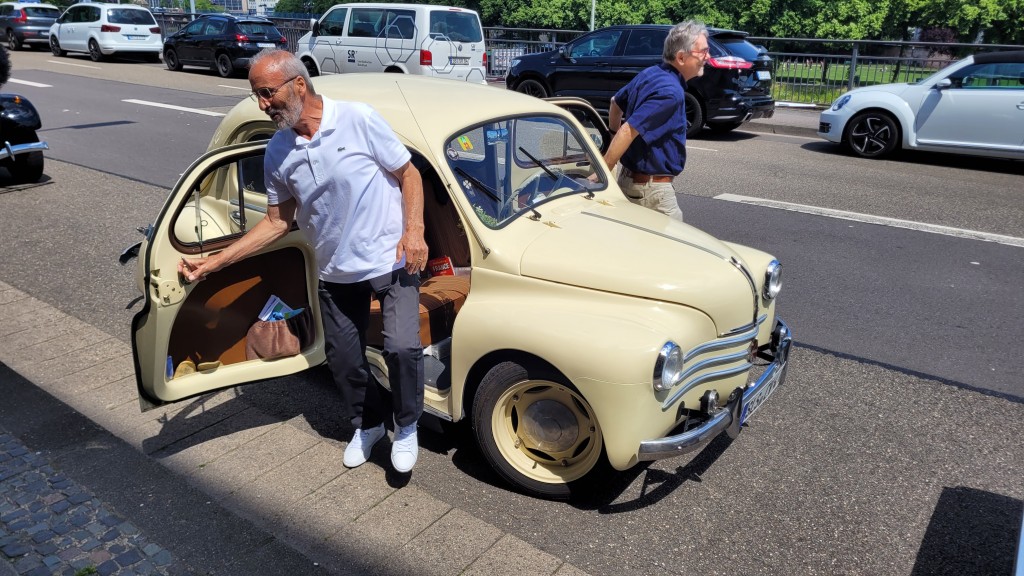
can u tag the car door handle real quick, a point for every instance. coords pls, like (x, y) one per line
(1020, 106)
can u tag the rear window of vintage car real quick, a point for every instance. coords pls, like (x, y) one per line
(128, 16)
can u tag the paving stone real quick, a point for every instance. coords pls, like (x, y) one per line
(16, 549)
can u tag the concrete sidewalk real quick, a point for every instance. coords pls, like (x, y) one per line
(212, 485)
(789, 119)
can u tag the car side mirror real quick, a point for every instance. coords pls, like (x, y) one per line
(60, 19)
(314, 26)
(943, 84)
(565, 52)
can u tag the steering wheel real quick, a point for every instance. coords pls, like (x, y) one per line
(594, 53)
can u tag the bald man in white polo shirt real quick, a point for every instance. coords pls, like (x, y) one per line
(340, 172)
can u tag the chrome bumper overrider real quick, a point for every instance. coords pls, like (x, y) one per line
(8, 150)
(732, 416)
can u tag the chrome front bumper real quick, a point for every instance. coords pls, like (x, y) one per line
(731, 417)
(9, 150)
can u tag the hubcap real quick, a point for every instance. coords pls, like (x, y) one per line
(549, 426)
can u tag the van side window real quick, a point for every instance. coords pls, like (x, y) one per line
(401, 24)
(334, 23)
(365, 22)
(456, 26)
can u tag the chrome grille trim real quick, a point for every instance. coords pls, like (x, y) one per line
(745, 327)
(689, 379)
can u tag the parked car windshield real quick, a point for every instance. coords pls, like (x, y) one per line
(130, 16)
(258, 29)
(41, 12)
(512, 166)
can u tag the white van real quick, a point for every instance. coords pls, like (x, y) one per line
(441, 41)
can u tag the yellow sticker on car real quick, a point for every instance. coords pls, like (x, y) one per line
(465, 143)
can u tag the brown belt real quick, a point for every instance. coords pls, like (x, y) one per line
(645, 178)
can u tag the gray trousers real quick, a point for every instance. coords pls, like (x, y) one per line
(345, 309)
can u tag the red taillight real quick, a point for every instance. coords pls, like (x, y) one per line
(426, 58)
(485, 60)
(155, 29)
(241, 38)
(21, 18)
(284, 40)
(730, 63)
(109, 28)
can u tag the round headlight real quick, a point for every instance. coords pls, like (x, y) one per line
(772, 280)
(668, 367)
(841, 102)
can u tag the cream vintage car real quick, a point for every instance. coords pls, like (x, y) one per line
(566, 324)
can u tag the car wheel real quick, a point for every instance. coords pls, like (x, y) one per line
(25, 168)
(171, 60)
(55, 47)
(533, 88)
(310, 67)
(12, 40)
(872, 134)
(723, 127)
(694, 115)
(224, 66)
(94, 51)
(535, 430)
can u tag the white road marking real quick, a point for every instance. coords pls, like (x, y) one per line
(27, 83)
(688, 147)
(73, 64)
(246, 88)
(173, 107)
(880, 220)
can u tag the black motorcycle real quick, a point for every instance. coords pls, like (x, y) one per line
(22, 152)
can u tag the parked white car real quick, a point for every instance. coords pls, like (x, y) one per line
(439, 41)
(102, 30)
(974, 106)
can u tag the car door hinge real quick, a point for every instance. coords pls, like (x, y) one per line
(166, 292)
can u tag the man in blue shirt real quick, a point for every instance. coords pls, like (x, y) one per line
(648, 116)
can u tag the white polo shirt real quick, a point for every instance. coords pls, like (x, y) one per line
(349, 204)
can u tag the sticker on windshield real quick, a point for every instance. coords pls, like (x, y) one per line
(495, 136)
(465, 143)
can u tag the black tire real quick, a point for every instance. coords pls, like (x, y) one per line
(545, 460)
(94, 51)
(694, 115)
(310, 67)
(224, 66)
(872, 134)
(55, 47)
(171, 60)
(25, 168)
(12, 41)
(723, 127)
(533, 88)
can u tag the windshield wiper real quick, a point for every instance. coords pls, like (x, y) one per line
(539, 163)
(478, 184)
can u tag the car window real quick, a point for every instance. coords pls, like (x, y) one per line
(365, 22)
(195, 27)
(598, 44)
(42, 12)
(5, 10)
(227, 201)
(130, 16)
(993, 75)
(258, 29)
(645, 43)
(215, 27)
(334, 23)
(400, 24)
(513, 166)
(738, 47)
(458, 26)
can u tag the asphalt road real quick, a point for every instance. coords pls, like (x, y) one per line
(893, 448)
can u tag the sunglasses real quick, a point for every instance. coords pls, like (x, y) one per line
(269, 93)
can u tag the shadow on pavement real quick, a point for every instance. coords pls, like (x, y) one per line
(971, 532)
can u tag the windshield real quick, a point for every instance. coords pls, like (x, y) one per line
(513, 166)
(130, 16)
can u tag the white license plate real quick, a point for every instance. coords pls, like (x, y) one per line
(458, 60)
(265, 44)
(760, 395)
(135, 37)
(764, 75)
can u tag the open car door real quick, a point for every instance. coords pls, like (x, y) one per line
(194, 338)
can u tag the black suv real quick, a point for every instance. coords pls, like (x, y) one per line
(221, 41)
(735, 87)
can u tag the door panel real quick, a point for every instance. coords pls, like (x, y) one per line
(585, 69)
(205, 324)
(327, 47)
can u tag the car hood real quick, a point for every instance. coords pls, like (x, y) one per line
(640, 252)
(897, 89)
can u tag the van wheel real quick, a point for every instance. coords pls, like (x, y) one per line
(535, 429)
(55, 47)
(224, 66)
(533, 88)
(310, 68)
(694, 115)
(94, 51)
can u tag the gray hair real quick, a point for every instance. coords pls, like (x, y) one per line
(285, 62)
(681, 38)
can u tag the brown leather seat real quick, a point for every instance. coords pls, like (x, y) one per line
(441, 297)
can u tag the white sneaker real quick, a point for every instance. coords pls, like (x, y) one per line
(358, 450)
(405, 448)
